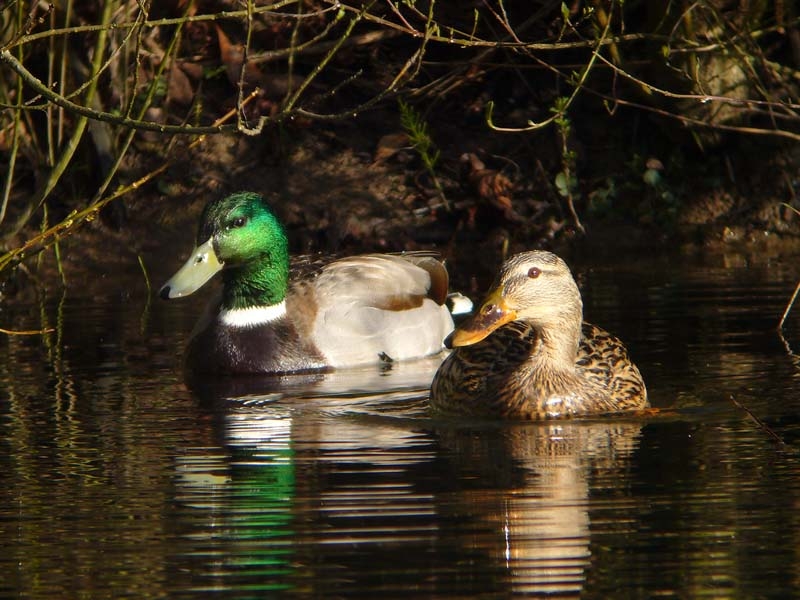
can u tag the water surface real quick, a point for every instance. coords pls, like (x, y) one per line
(119, 481)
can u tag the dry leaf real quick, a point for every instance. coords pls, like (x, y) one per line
(389, 145)
(491, 186)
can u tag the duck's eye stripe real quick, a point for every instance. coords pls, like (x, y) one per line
(534, 272)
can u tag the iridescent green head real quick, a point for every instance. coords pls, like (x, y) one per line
(243, 238)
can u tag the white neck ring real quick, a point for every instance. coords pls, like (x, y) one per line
(253, 315)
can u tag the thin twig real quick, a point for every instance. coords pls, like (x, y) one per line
(763, 426)
(789, 306)
(27, 331)
(144, 272)
(291, 100)
(797, 287)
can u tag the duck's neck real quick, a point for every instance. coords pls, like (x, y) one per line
(559, 347)
(260, 285)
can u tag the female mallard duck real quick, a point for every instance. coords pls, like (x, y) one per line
(352, 311)
(526, 354)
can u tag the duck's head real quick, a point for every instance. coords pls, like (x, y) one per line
(240, 234)
(536, 287)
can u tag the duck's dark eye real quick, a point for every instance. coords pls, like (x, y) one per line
(239, 222)
(534, 272)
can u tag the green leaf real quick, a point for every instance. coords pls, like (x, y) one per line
(562, 184)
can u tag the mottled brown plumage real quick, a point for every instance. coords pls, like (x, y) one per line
(526, 354)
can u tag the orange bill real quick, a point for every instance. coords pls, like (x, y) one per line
(492, 314)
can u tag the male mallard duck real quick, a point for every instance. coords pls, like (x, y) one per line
(526, 353)
(352, 311)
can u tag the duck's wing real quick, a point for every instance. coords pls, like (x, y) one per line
(308, 266)
(387, 281)
(362, 307)
(439, 279)
(603, 358)
(379, 267)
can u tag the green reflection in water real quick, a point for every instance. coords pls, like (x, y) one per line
(251, 545)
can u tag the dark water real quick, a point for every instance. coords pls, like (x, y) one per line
(117, 481)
